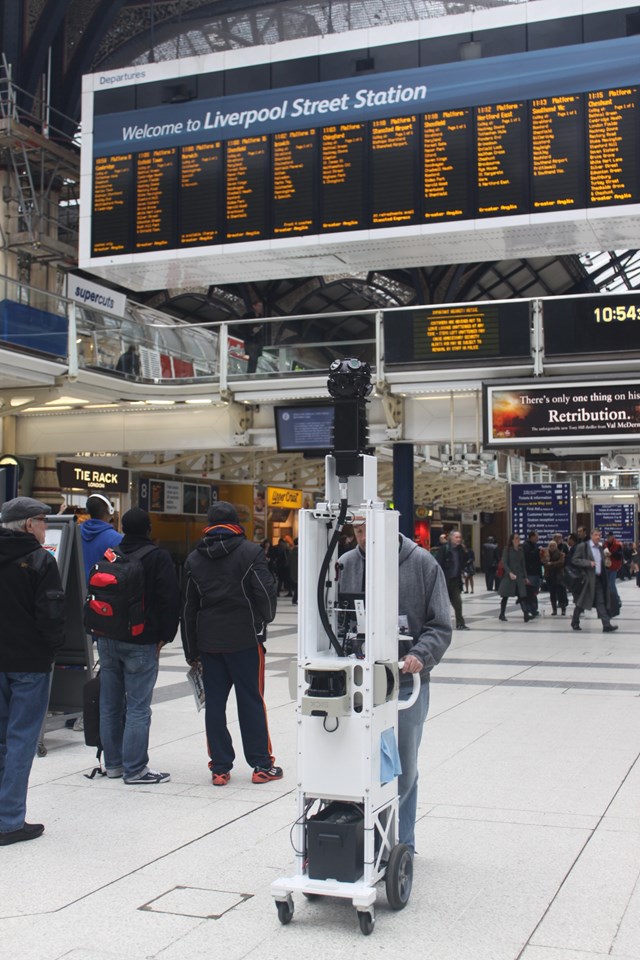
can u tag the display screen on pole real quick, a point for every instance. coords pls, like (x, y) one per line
(617, 518)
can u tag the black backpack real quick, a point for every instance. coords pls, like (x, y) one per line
(114, 605)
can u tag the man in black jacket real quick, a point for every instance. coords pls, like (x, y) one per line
(451, 557)
(229, 596)
(128, 670)
(533, 569)
(32, 603)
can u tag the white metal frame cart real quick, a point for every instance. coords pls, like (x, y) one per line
(346, 834)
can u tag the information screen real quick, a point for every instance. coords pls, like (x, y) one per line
(200, 194)
(304, 428)
(247, 165)
(343, 174)
(294, 176)
(501, 159)
(447, 144)
(112, 195)
(617, 518)
(592, 325)
(394, 156)
(558, 153)
(456, 333)
(544, 507)
(614, 139)
(156, 201)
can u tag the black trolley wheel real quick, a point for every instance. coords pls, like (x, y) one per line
(285, 911)
(367, 922)
(399, 877)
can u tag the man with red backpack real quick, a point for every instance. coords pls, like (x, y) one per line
(129, 646)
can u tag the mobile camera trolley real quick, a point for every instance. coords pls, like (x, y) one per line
(346, 683)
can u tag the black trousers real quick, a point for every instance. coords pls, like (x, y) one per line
(243, 670)
(454, 590)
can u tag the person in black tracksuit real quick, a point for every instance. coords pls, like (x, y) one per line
(229, 596)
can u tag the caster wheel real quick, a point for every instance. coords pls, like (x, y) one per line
(42, 750)
(399, 877)
(285, 911)
(311, 896)
(367, 922)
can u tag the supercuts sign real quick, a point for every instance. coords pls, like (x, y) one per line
(82, 476)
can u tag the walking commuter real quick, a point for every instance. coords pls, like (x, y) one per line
(514, 581)
(469, 568)
(32, 601)
(490, 558)
(533, 569)
(129, 668)
(553, 571)
(613, 561)
(422, 600)
(97, 533)
(293, 572)
(229, 597)
(589, 557)
(451, 557)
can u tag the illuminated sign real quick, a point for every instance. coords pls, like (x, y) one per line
(283, 497)
(543, 413)
(594, 325)
(616, 518)
(80, 476)
(543, 507)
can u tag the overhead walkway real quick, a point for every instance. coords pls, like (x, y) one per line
(528, 829)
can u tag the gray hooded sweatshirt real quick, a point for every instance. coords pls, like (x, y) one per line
(422, 599)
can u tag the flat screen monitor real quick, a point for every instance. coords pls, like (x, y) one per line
(305, 429)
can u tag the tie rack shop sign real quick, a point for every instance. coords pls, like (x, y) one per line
(543, 413)
(101, 479)
(284, 499)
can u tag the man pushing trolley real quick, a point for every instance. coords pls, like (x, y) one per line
(360, 710)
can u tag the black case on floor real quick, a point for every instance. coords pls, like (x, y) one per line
(335, 843)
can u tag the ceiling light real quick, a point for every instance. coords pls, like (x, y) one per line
(194, 402)
(19, 401)
(47, 409)
(65, 400)
(100, 406)
(161, 403)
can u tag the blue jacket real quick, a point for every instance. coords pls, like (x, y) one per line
(96, 537)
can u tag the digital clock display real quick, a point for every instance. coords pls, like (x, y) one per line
(594, 325)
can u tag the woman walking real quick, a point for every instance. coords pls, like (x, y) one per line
(514, 581)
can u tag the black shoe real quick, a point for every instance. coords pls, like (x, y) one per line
(575, 626)
(554, 613)
(28, 832)
(564, 611)
(527, 617)
(502, 617)
(461, 626)
(610, 628)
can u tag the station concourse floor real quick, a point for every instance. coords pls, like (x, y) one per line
(528, 830)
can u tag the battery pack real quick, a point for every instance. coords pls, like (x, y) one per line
(335, 843)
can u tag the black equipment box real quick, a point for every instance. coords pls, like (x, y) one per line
(335, 843)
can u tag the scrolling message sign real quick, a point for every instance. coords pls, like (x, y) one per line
(561, 412)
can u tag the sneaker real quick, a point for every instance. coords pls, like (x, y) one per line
(149, 776)
(265, 774)
(220, 779)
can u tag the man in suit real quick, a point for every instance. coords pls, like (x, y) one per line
(589, 557)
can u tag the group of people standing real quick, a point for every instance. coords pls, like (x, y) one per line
(582, 565)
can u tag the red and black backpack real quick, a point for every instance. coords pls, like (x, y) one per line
(114, 605)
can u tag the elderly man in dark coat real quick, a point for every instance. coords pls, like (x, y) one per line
(589, 557)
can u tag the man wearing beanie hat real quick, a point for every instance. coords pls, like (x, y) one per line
(32, 603)
(128, 670)
(228, 598)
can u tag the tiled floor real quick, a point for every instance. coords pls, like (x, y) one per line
(528, 832)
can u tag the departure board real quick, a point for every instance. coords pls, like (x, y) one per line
(558, 153)
(570, 151)
(501, 159)
(294, 175)
(614, 142)
(455, 333)
(112, 191)
(394, 164)
(447, 165)
(156, 172)
(342, 198)
(200, 194)
(247, 164)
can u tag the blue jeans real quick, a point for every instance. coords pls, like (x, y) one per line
(410, 727)
(23, 706)
(612, 580)
(128, 673)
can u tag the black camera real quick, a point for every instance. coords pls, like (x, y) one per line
(349, 384)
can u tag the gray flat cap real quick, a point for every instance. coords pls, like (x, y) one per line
(21, 508)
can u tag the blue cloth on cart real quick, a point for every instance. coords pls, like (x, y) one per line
(390, 765)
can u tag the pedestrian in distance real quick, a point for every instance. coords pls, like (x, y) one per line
(514, 581)
(451, 557)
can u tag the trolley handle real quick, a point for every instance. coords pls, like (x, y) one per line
(405, 704)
